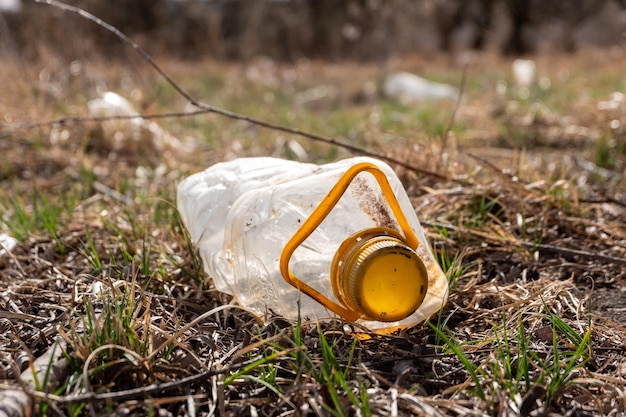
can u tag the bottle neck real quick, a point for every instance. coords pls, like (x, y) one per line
(377, 275)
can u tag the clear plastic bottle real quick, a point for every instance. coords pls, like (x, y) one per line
(342, 239)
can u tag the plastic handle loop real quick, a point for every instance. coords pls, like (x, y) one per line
(317, 217)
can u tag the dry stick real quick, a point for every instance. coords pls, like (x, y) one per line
(577, 252)
(83, 119)
(6, 130)
(495, 169)
(51, 367)
(211, 109)
(159, 387)
(531, 245)
(457, 104)
(606, 199)
(193, 323)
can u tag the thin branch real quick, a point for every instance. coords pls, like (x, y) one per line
(530, 245)
(207, 108)
(86, 119)
(495, 169)
(145, 55)
(165, 386)
(517, 180)
(457, 104)
(574, 252)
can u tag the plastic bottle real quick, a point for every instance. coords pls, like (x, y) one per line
(340, 239)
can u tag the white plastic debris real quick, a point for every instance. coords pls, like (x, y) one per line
(524, 72)
(132, 135)
(10, 6)
(615, 101)
(7, 243)
(410, 88)
(118, 134)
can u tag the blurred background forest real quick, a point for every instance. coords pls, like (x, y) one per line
(287, 30)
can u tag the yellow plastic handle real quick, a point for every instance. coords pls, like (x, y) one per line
(317, 217)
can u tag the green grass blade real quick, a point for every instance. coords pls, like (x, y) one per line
(469, 366)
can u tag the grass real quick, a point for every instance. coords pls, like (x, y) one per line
(472, 369)
(505, 361)
(103, 251)
(341, 395)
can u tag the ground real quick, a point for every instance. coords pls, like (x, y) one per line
(521, 191)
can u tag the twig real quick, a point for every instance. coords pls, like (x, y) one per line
(50, 368)
(164, 386)
(93, 355)
(606, 199)
(457, 104)
(495, 169)
(85, 119)
(195, 321)
(576, 252)
(207, 108)
(109, 192)
(531, 245)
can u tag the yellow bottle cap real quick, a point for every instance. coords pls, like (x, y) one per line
(381, 278)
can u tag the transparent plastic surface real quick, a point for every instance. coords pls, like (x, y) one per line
(241, 213)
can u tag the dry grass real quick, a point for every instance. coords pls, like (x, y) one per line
(526, 216)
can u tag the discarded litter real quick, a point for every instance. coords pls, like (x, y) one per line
(321, 241)
(136, 135)
(410, 88)
(7, 243)
(615, 101)
(524, 72)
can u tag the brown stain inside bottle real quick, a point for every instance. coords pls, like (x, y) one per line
(373, 204)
